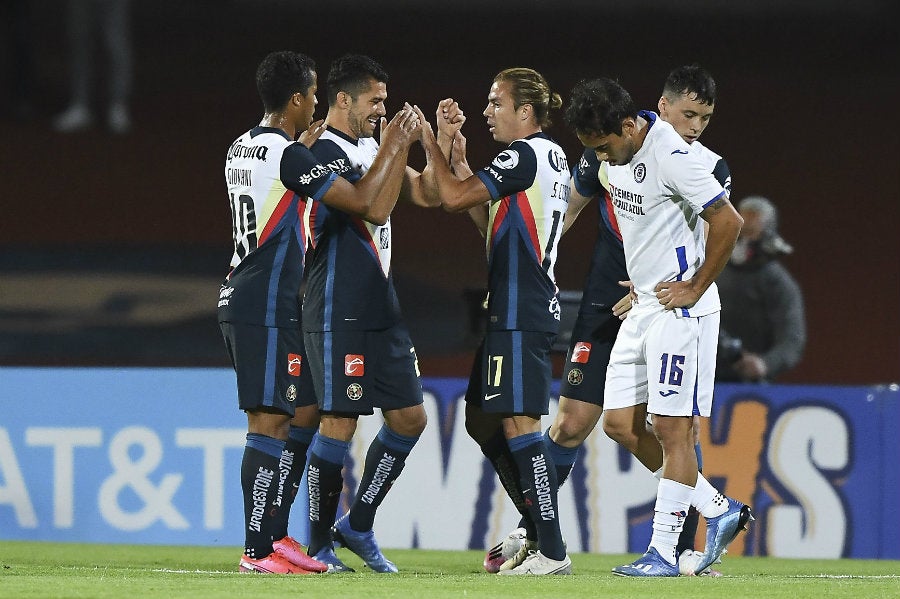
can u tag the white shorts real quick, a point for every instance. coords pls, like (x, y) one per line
(664, 360)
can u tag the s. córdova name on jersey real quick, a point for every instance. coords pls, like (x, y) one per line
(626, 201)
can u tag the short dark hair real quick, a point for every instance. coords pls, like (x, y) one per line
(692, 80)
(598, 106)
(351, 73)
(281, 75)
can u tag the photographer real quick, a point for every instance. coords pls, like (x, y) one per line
(763, 328)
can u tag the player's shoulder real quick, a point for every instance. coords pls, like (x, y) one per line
(258, 143)
(705, 153)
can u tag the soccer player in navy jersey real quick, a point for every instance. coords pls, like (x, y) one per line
(270, 178)
(662, 193)
(518, 201)
(360, 351)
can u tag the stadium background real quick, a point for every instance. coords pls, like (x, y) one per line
(112, 247)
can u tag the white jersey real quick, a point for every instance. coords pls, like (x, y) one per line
(351, 159)
(658, 198)
(715, 164)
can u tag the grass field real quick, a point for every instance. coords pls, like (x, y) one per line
(52, 570)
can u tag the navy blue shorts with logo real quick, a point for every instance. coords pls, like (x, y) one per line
(511, 373)
(271, 367)
(584, 373)
(355, 372)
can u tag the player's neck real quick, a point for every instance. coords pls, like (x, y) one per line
(339, 122)
(278, 120)
(641, 134)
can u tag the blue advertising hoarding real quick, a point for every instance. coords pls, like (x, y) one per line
(153, 456)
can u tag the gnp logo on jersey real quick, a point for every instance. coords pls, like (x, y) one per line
(581, 353)
(506, 159)
(295, 364)
(354, 365)
(314, 173)
(640, 171)
(354, 391)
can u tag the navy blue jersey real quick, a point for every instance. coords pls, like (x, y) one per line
(601, 289)
(529, 187)
(269, 178)
(349, 283)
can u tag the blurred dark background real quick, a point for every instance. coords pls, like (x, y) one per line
(113, 246)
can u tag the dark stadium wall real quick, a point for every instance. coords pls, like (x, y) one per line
(803, 117)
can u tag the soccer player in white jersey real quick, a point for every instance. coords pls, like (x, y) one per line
(519, 200)
(360, 351)
(687, 103)
(270, 177)
(663, 359)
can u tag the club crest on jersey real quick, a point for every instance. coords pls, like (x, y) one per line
(581, 353)
(575, 376)
(354, 391)
(291, 393)
(295, 363)
(507, 159)
(640, 171)
(354, 365)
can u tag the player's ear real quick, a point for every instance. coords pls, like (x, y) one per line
(344, 100)
(662, 104)
(525, 111)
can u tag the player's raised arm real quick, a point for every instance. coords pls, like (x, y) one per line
(456, 194)
(373, 197)
(418, 188)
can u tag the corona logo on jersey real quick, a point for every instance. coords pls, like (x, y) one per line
(295, 364)
(581, 353)
(354, 365)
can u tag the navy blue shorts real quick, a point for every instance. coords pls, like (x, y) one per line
(511, 373)
(355, 372)
(271, 367)
(584, 373)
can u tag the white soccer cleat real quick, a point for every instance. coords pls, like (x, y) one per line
(538, 564)
(688, 561)
(506, 550)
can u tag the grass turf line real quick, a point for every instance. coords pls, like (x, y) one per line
(69, 570)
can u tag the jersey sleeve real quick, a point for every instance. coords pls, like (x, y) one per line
(512, 171)
(303, 174)
(586, 174)
(331, 154)
(723, 175)
(689, 178)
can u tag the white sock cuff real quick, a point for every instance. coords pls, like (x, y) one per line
(704, 493)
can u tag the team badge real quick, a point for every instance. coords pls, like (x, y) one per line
(295, 363)
(640, 171)
(507, 159)
(581, 353)
(291, 393)
(354, 391)
(575, 376)
(354, 365)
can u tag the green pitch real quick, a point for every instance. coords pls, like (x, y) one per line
(55, 570)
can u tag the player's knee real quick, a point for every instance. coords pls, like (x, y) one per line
(568, 431)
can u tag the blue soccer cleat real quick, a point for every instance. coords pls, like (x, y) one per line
(722, 530)
(649, 564)
(327, 556)
(362, 544)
